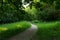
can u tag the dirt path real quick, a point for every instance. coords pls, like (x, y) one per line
(26, 35)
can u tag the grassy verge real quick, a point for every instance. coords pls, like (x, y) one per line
(48, 31)
(8, 30)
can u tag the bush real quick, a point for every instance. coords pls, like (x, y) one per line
(12, 15)
(29, 17)
(49, 15)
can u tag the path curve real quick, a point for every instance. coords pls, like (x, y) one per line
(27, 34)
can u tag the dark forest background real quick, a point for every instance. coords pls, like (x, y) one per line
(41, 10)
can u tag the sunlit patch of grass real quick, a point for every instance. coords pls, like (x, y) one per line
(3, 29)
(19, 26)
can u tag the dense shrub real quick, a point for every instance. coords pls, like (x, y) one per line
(49, 15)
(29, 17)
(11, 11)
(11, 16)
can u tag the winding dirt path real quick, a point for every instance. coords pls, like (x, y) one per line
(26, 35)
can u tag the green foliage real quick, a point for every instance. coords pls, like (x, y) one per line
(11, 16)
(48, 31)
(11, 10)
(9, 30)
(57, 4)
(48, 1)
(49, 15)
(29, 17)
(31, 13)
(47, 10)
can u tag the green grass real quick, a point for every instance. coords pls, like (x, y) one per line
(9, 30)
(48, 31)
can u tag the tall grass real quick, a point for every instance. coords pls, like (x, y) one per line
(9, 30)
(48, 31)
